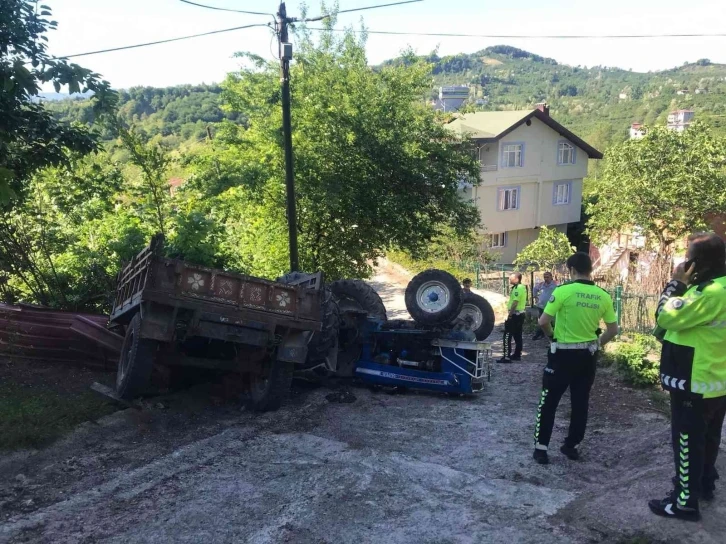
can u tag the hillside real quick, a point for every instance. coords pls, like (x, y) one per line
(175, 115)
(587, 100)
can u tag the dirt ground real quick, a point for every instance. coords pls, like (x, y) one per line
(405, 468)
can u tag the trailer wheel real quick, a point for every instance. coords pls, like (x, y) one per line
(355, 297)
(269, 390)
(136, 361)
(434, 297)
(477, 316)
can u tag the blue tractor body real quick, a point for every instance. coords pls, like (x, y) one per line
(399, 355)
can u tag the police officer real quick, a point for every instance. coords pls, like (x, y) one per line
(692, 310)
(577, 307)
(515, 321)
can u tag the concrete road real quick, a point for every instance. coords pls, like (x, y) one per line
(413, 468)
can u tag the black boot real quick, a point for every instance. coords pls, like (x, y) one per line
(541, 457)
(707, 490)
(571, 452)
(668, 508)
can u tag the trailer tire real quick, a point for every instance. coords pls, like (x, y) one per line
(136, 361)
(362, 294)
(267, 393)
(434, 297)
(477, 316)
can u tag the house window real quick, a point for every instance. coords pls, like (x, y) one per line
(499, 240)
(512, 155)
(508, 199)
(561, 194)
(565, 153)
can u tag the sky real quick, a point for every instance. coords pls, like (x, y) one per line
(89, 25)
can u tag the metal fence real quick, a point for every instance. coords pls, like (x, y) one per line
(635, 311)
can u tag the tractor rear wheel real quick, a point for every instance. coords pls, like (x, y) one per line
(323, 340)
(356, 300)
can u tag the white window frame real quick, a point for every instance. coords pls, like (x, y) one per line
(505, 198)
(562, 193)
(564, 147)
(516, 151)
(498, 240)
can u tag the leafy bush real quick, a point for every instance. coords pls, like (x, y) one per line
(635, 359)
(419, 265)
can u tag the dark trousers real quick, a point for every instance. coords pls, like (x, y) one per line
(540, 333)
(513, 331)
(696, 433)
(575, 369)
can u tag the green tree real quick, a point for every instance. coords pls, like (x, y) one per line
(30, 137)
(153, 161)
(375, 167)
(549, 250)
(62, 245)
(667, 184)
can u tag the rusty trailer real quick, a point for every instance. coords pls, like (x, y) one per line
(177, 313)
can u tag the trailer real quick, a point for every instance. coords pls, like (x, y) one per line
(175, 314)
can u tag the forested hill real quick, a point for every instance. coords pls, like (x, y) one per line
(585, 99)
(174, 114)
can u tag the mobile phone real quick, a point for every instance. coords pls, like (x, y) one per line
(698, 271)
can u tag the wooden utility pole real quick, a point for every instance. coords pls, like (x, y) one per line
(285, 57)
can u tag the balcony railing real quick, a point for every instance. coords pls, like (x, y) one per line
(489, 167)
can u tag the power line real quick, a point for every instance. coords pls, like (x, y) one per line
(321, 17)
(122, 48)
(225, 9)
(523, 36)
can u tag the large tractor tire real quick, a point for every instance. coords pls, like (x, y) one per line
(359, 295)
(321, 342)
(270, 389)
(477, 316)
(356, 300)
(136, 361)
(434, 297)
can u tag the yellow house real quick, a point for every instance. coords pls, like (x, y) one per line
(532, 170)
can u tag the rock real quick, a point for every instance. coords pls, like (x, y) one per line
(344, 396)
(29, 502)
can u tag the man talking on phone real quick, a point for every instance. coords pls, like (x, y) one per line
(692, 312)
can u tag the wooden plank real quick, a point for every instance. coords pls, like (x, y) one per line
(97, 334)
(110, 393)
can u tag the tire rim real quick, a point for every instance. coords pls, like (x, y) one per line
(432, 297)
(472, 316)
